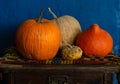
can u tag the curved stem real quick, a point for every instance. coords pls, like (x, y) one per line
(52, 13)
(67, 44)
(41, 15)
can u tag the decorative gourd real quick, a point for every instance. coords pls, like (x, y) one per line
(95, 42)
(38, 39)
(69, 26)
(71, 52)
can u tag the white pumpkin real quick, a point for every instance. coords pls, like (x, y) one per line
(69, 26)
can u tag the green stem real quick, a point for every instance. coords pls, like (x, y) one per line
(52, 13)
(41, 16)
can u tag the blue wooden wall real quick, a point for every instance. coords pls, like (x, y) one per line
(106, 13)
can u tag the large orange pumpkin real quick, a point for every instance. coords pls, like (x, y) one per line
(95, 42)
(38, 39)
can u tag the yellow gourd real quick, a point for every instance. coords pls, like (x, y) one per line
(71, 52)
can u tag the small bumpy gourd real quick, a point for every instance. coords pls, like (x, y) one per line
(71, 52)
(69, 26)
(95, 42)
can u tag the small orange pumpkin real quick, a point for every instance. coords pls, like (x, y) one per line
(95, 42)
(38, 39)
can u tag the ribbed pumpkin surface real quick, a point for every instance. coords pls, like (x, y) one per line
(39, 41)
(95, 42)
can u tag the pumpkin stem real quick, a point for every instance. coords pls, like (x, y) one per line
(66, 44)
(41, 15)
(52, 13)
